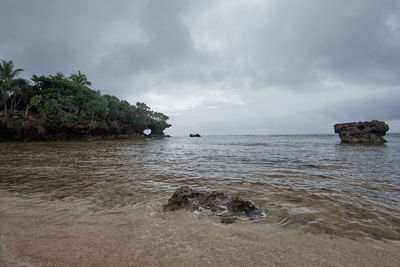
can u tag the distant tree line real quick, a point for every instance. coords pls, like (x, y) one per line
(61, 103)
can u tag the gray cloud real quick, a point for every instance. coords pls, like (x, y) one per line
(380, 105)
(221, 66)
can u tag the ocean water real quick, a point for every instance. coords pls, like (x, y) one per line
(309, 183)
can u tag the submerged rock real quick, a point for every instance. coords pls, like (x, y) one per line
(228, 219)
(371, 132)
(217, 203)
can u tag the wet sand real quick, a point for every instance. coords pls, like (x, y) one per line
(37, 232)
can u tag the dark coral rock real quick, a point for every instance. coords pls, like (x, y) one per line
(228, 219)
(216, 203)
(362, 132)
(239, 206)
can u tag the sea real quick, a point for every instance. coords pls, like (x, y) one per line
(307, 183)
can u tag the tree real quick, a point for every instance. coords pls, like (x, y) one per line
(8, 76)
(67, 105)
(20, 88)
(80, 78)
(59, 75)
(33, 102)
(97, 107)
(144, 114)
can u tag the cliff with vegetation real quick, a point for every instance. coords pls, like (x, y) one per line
(56, 107)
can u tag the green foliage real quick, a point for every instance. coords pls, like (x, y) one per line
(12, 89)
(9, 84)
(80, 79)
(60, 103)
(7, 71)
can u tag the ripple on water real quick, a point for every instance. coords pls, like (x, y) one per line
(310, 183)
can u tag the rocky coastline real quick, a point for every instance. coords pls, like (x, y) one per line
(20, 130)
(57, 107)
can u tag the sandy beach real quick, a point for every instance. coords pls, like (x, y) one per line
(199, 133)
(37, 232)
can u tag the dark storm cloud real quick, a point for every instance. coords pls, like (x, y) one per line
(49, 35)
(295, 43)
(265, 63)
(167, 41)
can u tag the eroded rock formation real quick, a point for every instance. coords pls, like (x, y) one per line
(216, 203)
(367, 132)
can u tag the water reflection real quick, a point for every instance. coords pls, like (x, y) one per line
(307, 182)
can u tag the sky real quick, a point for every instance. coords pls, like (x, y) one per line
(221, 66)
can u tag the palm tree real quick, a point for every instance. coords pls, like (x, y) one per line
(59, 76)
(80, 78)
(7, 77)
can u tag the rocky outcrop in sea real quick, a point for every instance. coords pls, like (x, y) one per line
(367, 132)
(213, 202)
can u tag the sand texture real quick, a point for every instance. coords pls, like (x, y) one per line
(37, 232)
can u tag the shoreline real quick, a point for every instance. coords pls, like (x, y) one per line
(81, 139)
(37, 232)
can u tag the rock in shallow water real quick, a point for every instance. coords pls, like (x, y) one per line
(371, 132)
(217, 203)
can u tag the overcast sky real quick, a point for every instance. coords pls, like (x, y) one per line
(221, 66)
